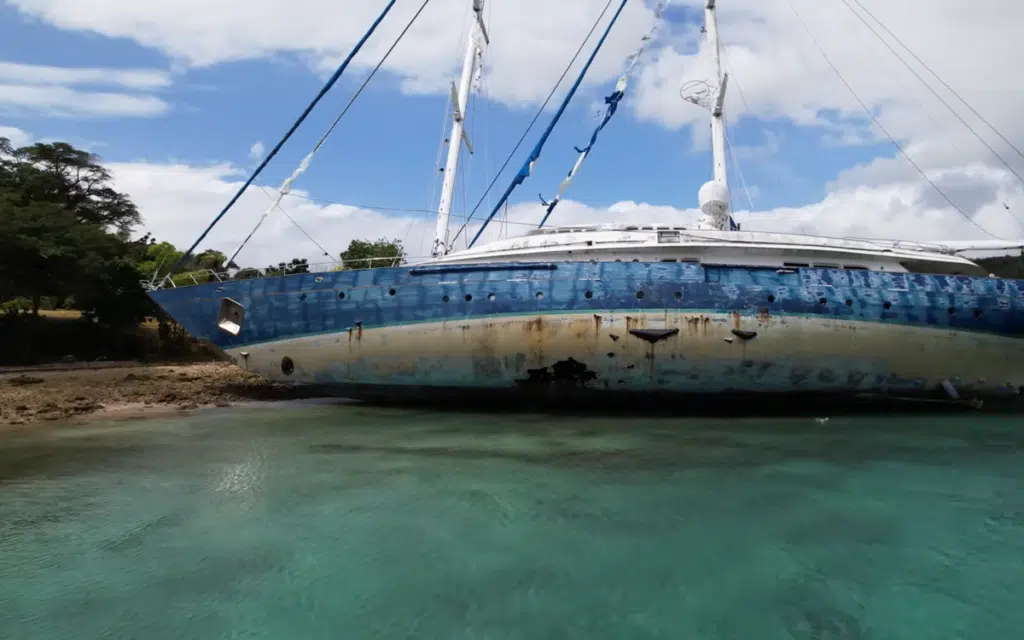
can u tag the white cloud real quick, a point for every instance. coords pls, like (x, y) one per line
(776, 71)
(777, 74)
(256, 151)
(15, 73)
(62, 101)
(178, 201)
(17, 137)
(531, 40)
(62, 91)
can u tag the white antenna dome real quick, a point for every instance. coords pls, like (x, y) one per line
(714, 199)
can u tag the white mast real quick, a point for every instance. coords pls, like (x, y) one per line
(714, 195)
(478, 38)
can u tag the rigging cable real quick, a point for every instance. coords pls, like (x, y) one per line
(613, 104)
(297, 226)
(273, 152)
(287, 184)
(736, 163)
(536, 117)
(728, 143)
(939, 78)
(527, 168)
(884, 130)
(934, 92)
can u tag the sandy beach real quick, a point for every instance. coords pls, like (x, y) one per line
(45, 394)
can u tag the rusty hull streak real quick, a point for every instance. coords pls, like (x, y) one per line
(697, 324)
(737, 320)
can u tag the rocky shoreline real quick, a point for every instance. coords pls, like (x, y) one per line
(44, 394)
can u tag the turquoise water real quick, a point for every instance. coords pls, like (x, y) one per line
(299, 521)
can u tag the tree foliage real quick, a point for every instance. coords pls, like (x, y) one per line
(1005, 266)
(297, 265)
(64, 231)
(363, 254)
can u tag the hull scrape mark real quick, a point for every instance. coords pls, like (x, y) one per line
(564, 374)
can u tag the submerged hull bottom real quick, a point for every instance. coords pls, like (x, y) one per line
(614, 357)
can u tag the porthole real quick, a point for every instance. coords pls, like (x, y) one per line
(469, 297)
(849, 302)
(391, 292)
(822, 301)
(951, 311)
(492, 297)
(540, 295)
(445, 299)
(639, 295)
(588, 294)
(679, 295)
(887, 306)
(287, 366)
(341, 295)
(771, 298)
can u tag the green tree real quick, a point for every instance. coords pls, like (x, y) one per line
(1005, 266)
(161, 257)
(363, 254)
(63, 230)
(297, 265)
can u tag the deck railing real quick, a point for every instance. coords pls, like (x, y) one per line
(204, 276)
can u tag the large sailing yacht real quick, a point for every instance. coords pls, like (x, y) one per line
(614, 311)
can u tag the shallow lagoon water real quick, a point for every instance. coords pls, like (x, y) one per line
(327, 521)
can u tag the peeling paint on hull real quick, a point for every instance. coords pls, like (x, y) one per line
(614, 327)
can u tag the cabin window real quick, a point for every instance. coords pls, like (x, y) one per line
(854, 267)
(796, 265)
(668, 236)
(669, 260)
(821, 265)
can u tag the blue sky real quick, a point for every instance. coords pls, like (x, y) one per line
(199, 113)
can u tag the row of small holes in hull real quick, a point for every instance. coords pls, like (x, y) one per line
(678, 296)
(886, 305)
(492, 297)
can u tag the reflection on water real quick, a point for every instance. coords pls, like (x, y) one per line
(350, 522)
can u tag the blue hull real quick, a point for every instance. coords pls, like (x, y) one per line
(608, 327)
